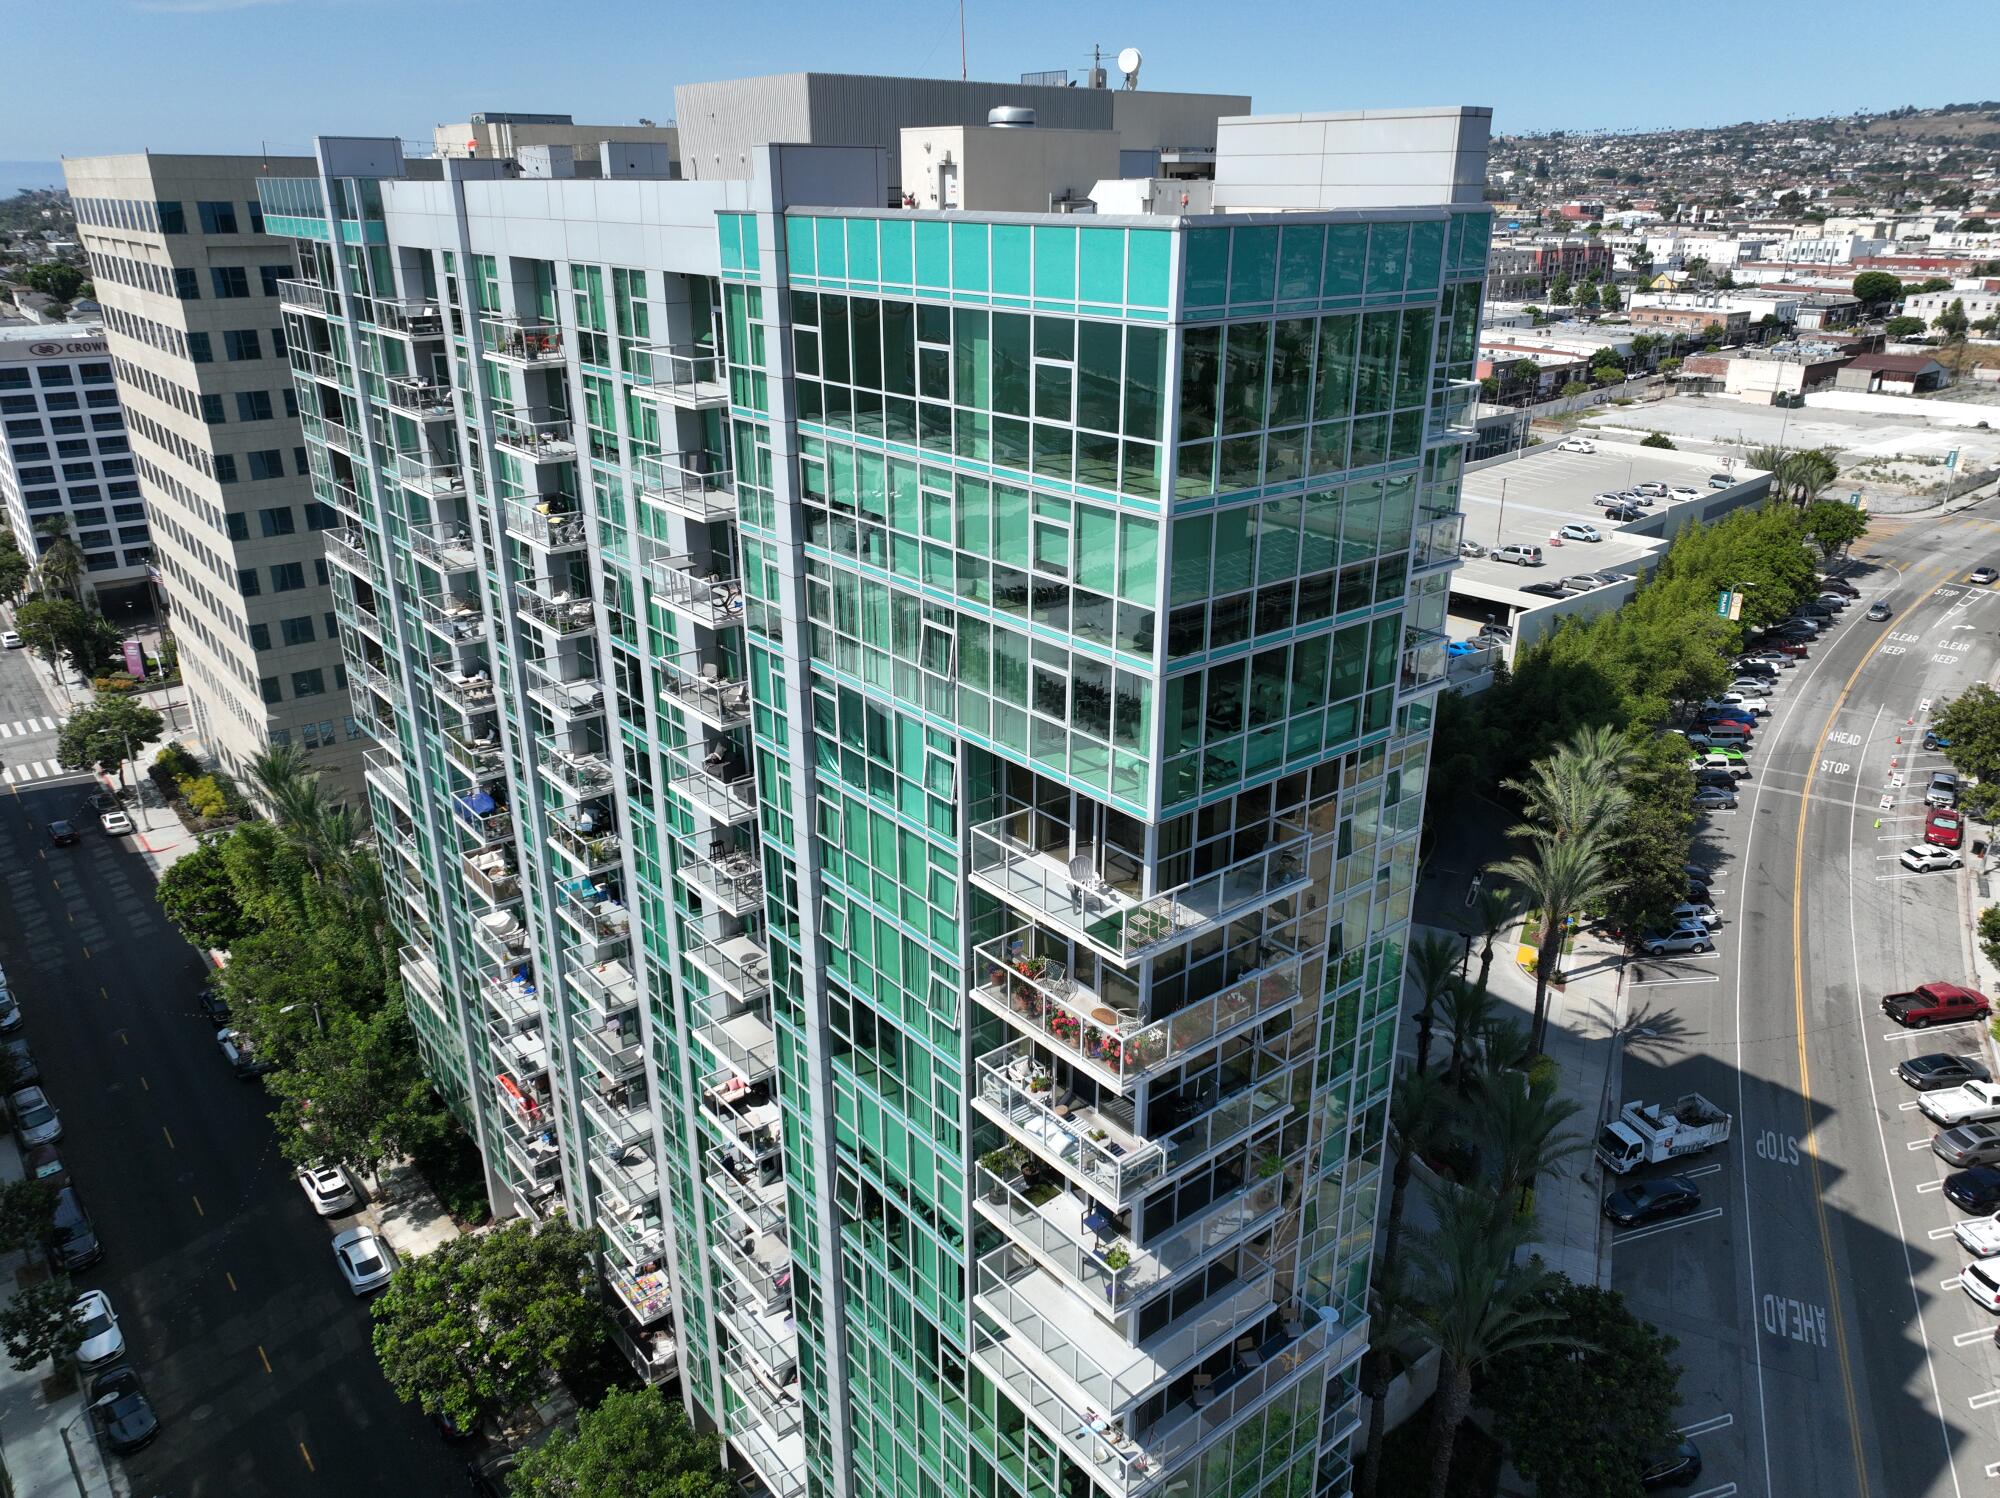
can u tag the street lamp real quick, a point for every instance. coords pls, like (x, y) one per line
(317, 1021)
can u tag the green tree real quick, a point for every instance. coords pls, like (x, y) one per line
(1579, 1423)
(1465, 1015)
(1606, 374)
(1655, 834)
(39, 1324)
(287, 983)
(1713, 334)
(27, 1213)
(1876, 289)
(1835, 525)
(15, 569)
(635, 1444)
(1657, 439)
(1559, 289)
(1903, 327)
(1930, 284)
(1431, 967)
(1989, 933)
(1477, 1306)
(1971, 723)
(474, 1328)
(1670, 366)
(63, 629)
(60, 565)
(1586, 296)
(1517, 1125)
(1561, 878)
(1952, 322)
(200, 899)
(62, 282)
(1575, 388)
(356, 1094)
(1608, 297)
(105, 732)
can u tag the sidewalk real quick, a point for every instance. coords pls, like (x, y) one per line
(49, 1450)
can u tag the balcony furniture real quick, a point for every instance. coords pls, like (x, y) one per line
(1084, 884)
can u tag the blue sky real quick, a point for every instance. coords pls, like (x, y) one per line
(223, 75)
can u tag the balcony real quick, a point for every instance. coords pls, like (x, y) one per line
(537, 1157)
(1229, 1120)
(615, 1051)
(318, 364)
(491, 872)
(337, 435)
(553, 523)
(362, 616)
(521, 1054)
(347, 547)
(1437, 542)
(423, 399)
(769, 1336)
(580, 772)
(411, 318)
(480, 819)
(747, 1120)
(700, 688)
(526, 1112)
(502, 940)
(778, 1462)
(684, 375)
(420, 977)
(469, 691)
(730, 802)
(567, 686)
(712, 601)
(653, 1354)
(1024, 859)
(761, 1268)
(636, 1235)
(454, 618)
(755, 1202)
(1069, 1233)
(1454, 410)
(778, 1410)
(699, 494)
(512, 1000)
(736, 965)
(741, 1037)
(1426, 659)
(445, 545)
(434, 477)
(555, 610)
(527, 342)
(309, 296)
(647, 1294)
(382, 769)
(621, 1129)
(1035, 994)
(591, 910)
(732, 881)
(1098, 1146)
(605, 987)
(587, 850)
(550, 439)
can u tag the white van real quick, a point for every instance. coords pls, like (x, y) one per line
(1520, 556)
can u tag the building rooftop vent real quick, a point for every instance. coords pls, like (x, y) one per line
(1010, 117)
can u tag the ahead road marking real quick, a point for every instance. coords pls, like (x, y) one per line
(1657, 1228)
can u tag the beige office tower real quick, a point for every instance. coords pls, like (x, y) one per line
(189, 285)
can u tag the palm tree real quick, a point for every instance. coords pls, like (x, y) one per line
(1478, 1305)
(1518, 1127)
(60, 565)
(1578, 788)
(1433, 964)
(1391, 1312)
(1494, 909)
(278, 770)
(1561, 877)
(1466, 1013)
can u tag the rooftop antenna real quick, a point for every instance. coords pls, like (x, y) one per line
(962, 74)
(1128, 64)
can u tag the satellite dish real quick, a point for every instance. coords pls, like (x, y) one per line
(1128, 64)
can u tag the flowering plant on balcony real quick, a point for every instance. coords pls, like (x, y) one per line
(1065, 1027)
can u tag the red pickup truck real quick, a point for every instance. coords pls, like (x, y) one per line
(1935, 1004)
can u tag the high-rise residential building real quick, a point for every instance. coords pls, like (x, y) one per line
(66, 463)
(188, 282)
(902, 746)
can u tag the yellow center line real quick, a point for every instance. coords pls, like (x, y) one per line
(197, 1207)
(144, 1085)
(308, 1456)
(262, 1358)
(231, 1278)
(170, 1137)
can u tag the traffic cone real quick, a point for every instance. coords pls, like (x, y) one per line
(1878, 824)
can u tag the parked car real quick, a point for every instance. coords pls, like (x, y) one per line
(1981, 1281)
(1622, 511)
(1942, 792)
(1577, 530)
(10, 1011)
(1797, 629)
(10, 639)
(1968, 1144)
(1696, 912)
(1520, 556)
(1922, 858)
(1652, 488)
(1763, 666)
(73, 1240)
(35, 1118)
(1681, 493)
(1978, 1236)
(1720, 779)
(1580, 582)
(1753, 702)
(1936, 1004)
(1606, 579)
(1834, 601)
(213, 1006)
(237, 1051)
(115, 823)
(1943, 827)
(1606, 501)
(1713, 798)
(1576, 445)
(18, 1066)
(1839, 585)
(328, 1189)
(1796, 649)
(1983, 576)
(1546, 590)
(45, 1167)
(1649, 1201)
(1679, 1467)
(103, 1340)
(1878, 611)
(1819, 613)
(1661, 943)
(61, 833)
(1728, 735)
(1939, 1070)
(1974, 1190)
(365, 1258)
(121, 1412)
(1471, 550)
(1720, 481)
(1974, 1101)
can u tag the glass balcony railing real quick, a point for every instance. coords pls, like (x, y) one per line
(1023, 858)
(762, 1270)
(730, 802)
(491, 872)
(521, 340)
(1454, 410)
(779, 1412)
(621, 1129)
(1437, 542)
(615, 1051)
(679, 583)
(512, 1000)
(1426, 659)
(686, 375)
(552, 523)
(699, 687)
(321, 365)
(638, 1237)
(588, 851)
(556, 610)
(734, 964)
(430, 475)
(1230, 1119)
(421, 398)
(410, 318)
(385, 770)
(1017, 1090)
(1035, 992)
(699, 494)
(747, 1123)
(309, 296)
(470, 691)
(647, 1294)
(446, 545)
(732, 882)
(347, 546)
(568, 684)
(755, 1203)
(455, 618)
(548, 439)
(580, 772)
(605, 986)
(778, 1461)
(740, 1035)
(768, 1336)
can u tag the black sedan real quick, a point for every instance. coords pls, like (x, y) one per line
(214, 1008)
(1676, 1468)
(1648, 1201)
(61, 833)
(1974, 1190)
(121, 1411)
(1928, 1073)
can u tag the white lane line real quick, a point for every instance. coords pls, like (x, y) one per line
(1657, 1228)
(1925, 1187)
(1957, 1281)
(1966, 1339)
(1918, 1144)
(1920, 1033)
(1703, 1427)
(1727, 1490)
(1982, 1401)
(1704, 1170)
(1936, 1233)
(1905, 1107)
(1670, 982)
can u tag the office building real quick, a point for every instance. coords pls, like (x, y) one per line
(66, 463)
(902, 738)
(188, 282)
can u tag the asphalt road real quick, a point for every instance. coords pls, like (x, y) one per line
(1827, 1347)
(251, 1347)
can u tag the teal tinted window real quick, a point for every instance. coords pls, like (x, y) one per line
(1388, 257)
(1145, 381)
(898, 268)
(1247, 353)
(1426, 255)
(933, 253)
(1098, 374)
(1346, 259)
(1011, 260)
(1103, 267)
(864, 261)
(749, 223)
(1096, 548)
(1253, 265)
(1201, 378)
(729, 230)
(1478, 232)
(1205, 277)
(833, 247)
(1334, 392)
(1055, 264)
(1300, 253)
(968, 256)
(799, 245)
(1146, 267)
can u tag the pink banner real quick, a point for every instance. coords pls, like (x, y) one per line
(135, 658)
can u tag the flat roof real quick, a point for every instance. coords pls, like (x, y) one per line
(21, 331)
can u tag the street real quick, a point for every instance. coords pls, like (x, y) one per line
(1827, 1346)
(254, 1353)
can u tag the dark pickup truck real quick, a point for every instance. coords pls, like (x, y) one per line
(1935, 1004)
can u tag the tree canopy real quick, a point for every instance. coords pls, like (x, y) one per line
(104, 731)
(63, 629)
(1971, 721)
(62, 282)
(199, 898)
(635, 1444)
(1877, 288)
(1835, 525)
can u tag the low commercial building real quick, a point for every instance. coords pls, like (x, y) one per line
(1694, 321)
(1764, 374)
(1894, 374)
(1978, 303)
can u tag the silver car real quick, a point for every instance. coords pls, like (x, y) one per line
(1968, 1144)
(1714, 798)
(35, 1118)
(1685, 939)
(366, 1261)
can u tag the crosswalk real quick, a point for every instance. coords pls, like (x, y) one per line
(25, 726)
(39, 769)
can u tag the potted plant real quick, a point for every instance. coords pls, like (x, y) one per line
(1098, 1135)
(1039, 1084)
(1270, 1163)
(1117, 1257)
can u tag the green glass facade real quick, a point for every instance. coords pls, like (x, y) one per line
(902, 746)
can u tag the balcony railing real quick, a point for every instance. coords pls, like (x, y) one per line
(1036, 993)
(470, 691)
(1017, 1091)
(741, 1035)
(581, 772)
(446, 545)
(570, 685)
(734, 964)
(1426, 659)
(551, 439)
(1230, 1119)
(685, 375)
(321, 365)
(1024, 859)
(453, 617)
(714, 601)
(421, 398)
(588, 852)
(382, 766)
(698, 686)
(348, 547)
(636, 1234)
(1454, 410)
(768, 1337)
(647, 1295)
(779, 1412)
(612, 1051)
(512, 1000)
(410, 318)
(698, 493)
(592, 909)
(491, 872)
(763, 1273)
(605, 986)
(727, 801)
(556, 611)
(621, 1128)
(1437, 542)
(733, 881)
(521, 340)
(750, 1127)
(309, 296)
(758, 1206)
(551, 526)
(779, 1462)
(429, 475)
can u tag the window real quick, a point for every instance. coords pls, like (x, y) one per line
(217, 218)
(229, 281)
(29, 427)
(256, 216)
(253, 405)
(300, 464)
(260, 637)
(308, 683)
(246, 582)
(291, 405)
(267, 464)
(319, 570)
(211, 410)
(353, 729)
(309, 735)
(173, 218)
(272, 275)
(106, 421)
(320, 517)
(332, 623)
(98, 374)
(13, 379)
(186, 287)
(133, 535)
(57, 377)
(297, 631)
(17, 405)
(276, 521)
(238, 527)
(225, 468)
(277, 343)
(268, 686)
(287, 577)
(199, 349)
(242, 343)
(280, 737)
